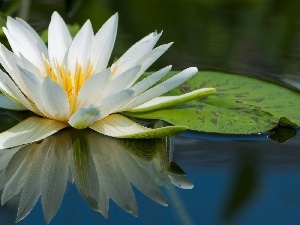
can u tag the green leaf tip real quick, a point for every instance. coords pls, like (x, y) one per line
(169, 101)
(158, 133)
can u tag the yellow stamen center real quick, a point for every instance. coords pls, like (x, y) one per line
(71, 83)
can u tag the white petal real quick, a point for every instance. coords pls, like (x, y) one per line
(103, 43)
(8, 103)
(14, 44)
(31, 85)
(146, 83)
(84, 171)
(125, 80)
(18, 178)
(30, 45)
(59, 39)
(55, 100)
(16, 160)
(150, 80)
(149, 59)
(13, 88)
(55, 174)
(102, 198)
(118, 188)
(29, 130)
(6, 155)
(32, 186)
(9, 61)
(11, 64)
(8, 87)
(163, 87)
(85, 116)
(181, 181)
(116, 101)
(136, 174)
(2, 179)
(168, 101)
(152, 56)
(24, 63)
(157, 166)
(92, 89)
(35, 36)
(116, 125)
(132, 56)
(80, 49)
(103, 203)
(32, 89)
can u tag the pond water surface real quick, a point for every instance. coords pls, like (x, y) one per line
(235, 182)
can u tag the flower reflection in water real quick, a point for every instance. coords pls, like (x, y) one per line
(101, 167)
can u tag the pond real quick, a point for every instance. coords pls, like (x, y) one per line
(230, 179)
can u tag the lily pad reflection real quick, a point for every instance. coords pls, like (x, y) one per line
(101, 167)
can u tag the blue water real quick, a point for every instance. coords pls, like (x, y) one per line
(272, 196)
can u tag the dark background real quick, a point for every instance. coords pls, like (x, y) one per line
(236, 182)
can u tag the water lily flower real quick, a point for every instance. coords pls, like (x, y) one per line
(69, 82)
(101, 167)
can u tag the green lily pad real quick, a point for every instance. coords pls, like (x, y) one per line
(240, 105)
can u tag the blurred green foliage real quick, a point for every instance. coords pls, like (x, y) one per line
(255, 37)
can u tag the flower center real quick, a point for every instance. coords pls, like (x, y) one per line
(71, 83)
